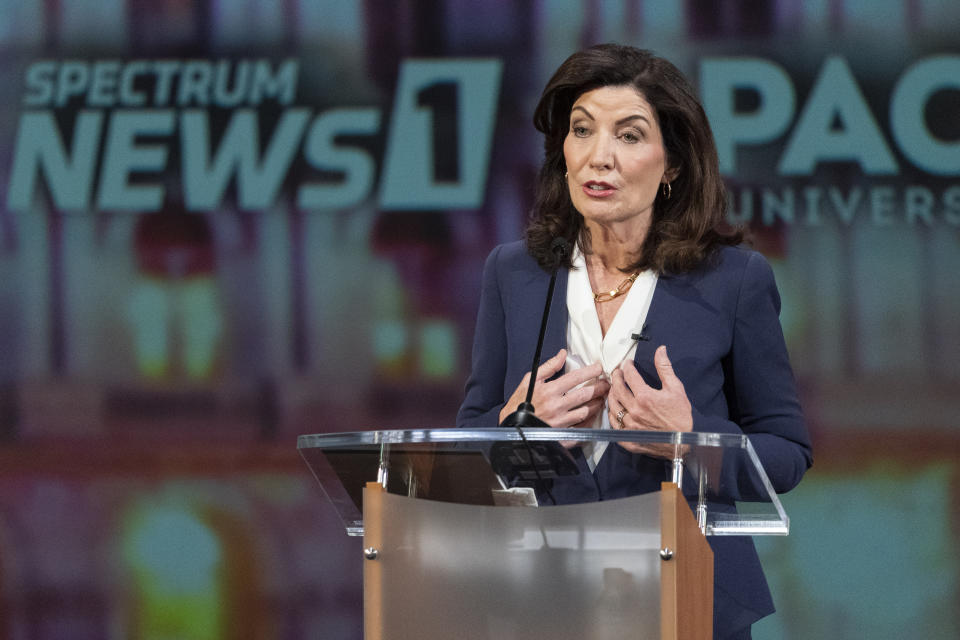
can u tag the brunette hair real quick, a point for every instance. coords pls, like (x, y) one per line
(689, 224)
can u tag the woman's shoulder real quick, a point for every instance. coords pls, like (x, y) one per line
(745, 272)
(728, 268)
(511, 255)
(736, 261)
(736, 256)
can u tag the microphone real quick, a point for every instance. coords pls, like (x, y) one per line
(558, 462)
(559, 248)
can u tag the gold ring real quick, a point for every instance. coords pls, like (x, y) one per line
(620, 415)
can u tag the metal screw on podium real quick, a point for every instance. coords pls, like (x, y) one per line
(370, 553)
(666, 553)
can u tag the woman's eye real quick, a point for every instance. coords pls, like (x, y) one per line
(630, 136)
(579, 131)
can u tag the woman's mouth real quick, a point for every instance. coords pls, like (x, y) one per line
(598, 189)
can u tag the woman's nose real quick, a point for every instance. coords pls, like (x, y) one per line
(601, 154)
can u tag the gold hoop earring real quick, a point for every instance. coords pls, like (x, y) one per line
(666, 189)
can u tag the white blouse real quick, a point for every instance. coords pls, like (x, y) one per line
(585, 342)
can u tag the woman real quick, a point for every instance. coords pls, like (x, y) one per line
(660, 320)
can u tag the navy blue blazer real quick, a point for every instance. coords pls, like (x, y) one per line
(722, 330)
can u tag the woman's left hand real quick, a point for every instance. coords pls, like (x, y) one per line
(645, 408)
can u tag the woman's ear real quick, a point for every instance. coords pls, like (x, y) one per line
(671, 174)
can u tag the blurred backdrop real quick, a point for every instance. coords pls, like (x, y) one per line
(225, 223)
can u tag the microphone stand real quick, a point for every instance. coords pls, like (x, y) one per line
(525, 415)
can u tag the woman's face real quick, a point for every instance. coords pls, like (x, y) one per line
(615, 155)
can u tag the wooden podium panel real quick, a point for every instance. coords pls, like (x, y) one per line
(373, 495)
(686, 579)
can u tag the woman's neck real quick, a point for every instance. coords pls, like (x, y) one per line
(616, 246)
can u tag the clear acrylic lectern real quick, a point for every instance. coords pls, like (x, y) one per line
(455, 545)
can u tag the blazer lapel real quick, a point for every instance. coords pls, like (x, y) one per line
(657, 328)
(556, 335)
(526, 301)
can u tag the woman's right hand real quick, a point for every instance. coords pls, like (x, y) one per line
(565, 402)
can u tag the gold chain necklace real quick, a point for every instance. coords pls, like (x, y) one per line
(615, 293)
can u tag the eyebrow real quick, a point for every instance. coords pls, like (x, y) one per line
(632, 118)
(624, 120)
